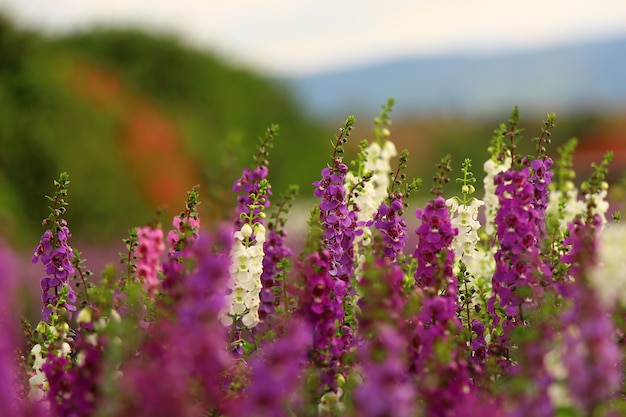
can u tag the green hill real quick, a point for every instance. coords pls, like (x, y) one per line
(136, 119)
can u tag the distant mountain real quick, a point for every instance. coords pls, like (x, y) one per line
(588, 76)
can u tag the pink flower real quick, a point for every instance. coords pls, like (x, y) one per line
(149, 249)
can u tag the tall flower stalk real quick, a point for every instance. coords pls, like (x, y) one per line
(388, 219)
(332, 279)
(247, 251)
(274, 293)
(56, 255)
(52, 345)
(473, 286)
(591, 356)
(369, 185)
(434, 350)
(521, 274)
(339, 223)
(181, 239)
(516, 279)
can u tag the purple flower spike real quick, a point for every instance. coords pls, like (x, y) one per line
(591, 356)
(56, 255)
(541, 178)
(437, 317)
(386, 389)
(277, 377)
(520, 275)
(392, 227)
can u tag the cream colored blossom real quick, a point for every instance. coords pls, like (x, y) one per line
(464, 217)
(492, 168)
(565, 205)
(245, 273)
(608, 277)
(377, 163)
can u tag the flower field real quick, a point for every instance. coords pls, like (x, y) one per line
(510, 303)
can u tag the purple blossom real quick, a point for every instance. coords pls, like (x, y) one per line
(382, 296)
(476, 404)
(56, 255)
(331, 286)
(275, 388)
(591, 356)
(249, 185)
(518, 284)
(435, 237)
(182, 367)
(323, 310)
(61, 382)
(386, 389)
(74, 388)
(519, 271)
(275, 251)
(392, 227)
(339, 224)
(541, 178)
(448, 379)
(478, 345)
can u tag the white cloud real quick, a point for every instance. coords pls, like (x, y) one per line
(300, 36)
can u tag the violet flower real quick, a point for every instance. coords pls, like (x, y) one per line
(275, 388)
(339, 224)
(74, 388)
(275, 251)
(323, 310)
(437, 320)
(331, 279)
(541, 178)
(391, 226)
(382, 297)
(519, 270)
(591, 357)
(249, 186)
(386, 389)
(56, 255)
(182, 368)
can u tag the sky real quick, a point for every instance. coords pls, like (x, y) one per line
(301, 37)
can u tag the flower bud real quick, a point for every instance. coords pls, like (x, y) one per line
(84, 316)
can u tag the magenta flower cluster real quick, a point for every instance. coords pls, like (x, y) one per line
(591, 357)
(541, 178)
(392, 227)
(427, 335)
(386, 389)
(248, 186)
(276, 251)
(323, 309)
(437, 317)
(339, 224)
(516, 280)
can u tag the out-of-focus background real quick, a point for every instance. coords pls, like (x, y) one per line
(140, 100)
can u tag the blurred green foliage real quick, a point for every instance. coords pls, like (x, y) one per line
(46, 127)
(44, 130)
